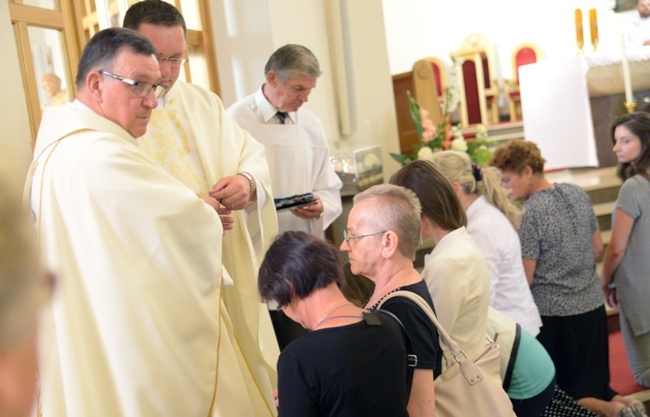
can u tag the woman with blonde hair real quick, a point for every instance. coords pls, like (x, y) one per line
(492, 221)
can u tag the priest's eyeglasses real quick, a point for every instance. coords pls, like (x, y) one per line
(348, 237)
(140, 88)
(175, 61)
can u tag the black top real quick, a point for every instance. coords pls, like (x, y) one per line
(421, 331)
(349, 371)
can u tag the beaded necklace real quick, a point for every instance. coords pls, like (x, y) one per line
(374, 306)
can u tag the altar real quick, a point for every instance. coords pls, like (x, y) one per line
(558, 96)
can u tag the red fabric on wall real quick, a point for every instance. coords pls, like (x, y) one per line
(524, 56)
(436, 76)
(471, 92)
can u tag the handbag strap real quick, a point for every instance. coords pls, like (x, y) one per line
(468, 368)
(411, 357)
(419, 301)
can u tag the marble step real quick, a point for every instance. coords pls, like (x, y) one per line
(601, 184)
(603, 212)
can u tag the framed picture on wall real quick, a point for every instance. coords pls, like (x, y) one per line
(625, 5)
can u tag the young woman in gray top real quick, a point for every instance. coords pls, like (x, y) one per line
(625, 277)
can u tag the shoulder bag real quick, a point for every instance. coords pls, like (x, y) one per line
(469, 387)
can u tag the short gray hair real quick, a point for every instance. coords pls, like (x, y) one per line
(291, 60)
(397, 209)
(104, 47)
(22, 289)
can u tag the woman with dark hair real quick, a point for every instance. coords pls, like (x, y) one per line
(625, 278)
(352, 363)
(455, 272)
(560, 240)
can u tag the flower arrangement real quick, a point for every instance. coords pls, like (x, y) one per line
(444, 136)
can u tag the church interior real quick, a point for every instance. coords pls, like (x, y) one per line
(556, 73)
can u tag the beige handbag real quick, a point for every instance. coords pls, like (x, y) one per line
(469, 387)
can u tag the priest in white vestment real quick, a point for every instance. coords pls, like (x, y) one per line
(296, 149)
(637, 30)
(137, 325)
(192, 138)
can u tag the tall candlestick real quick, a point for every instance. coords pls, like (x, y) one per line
(580, 41)
(626, 72)
(593, 28)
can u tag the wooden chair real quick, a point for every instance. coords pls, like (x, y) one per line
(523, 54)
(429, 82)
(479, 90)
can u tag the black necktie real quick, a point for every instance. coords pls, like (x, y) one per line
(281, 116)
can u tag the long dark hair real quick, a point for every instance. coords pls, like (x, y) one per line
(437, 197)
(639, 124)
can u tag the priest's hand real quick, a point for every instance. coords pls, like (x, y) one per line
(227, 221)
(311, 211)
(234, 191)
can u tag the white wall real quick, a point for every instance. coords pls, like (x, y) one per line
(383, 38)
(248, 32)
(15, 135)
(420, 28)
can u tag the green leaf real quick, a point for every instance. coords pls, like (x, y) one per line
(414, 111)
(401, 158)
(482, 156)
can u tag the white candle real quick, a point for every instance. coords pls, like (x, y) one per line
(626, 72)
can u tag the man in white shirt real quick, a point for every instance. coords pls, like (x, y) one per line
(295, 144)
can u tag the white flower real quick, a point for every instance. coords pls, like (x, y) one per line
(459, 144)
(457, 134)
(452, 98)
(481, 133)
(424, 152)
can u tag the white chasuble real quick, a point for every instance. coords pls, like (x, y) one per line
(193, 138)
(136, 326)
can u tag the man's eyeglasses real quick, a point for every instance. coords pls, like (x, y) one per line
(348, 237)
(175, 61)
(140, 88)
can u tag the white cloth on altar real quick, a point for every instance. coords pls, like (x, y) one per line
(193, 138)
(557, 113)
(137, 326)
(298, 157)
